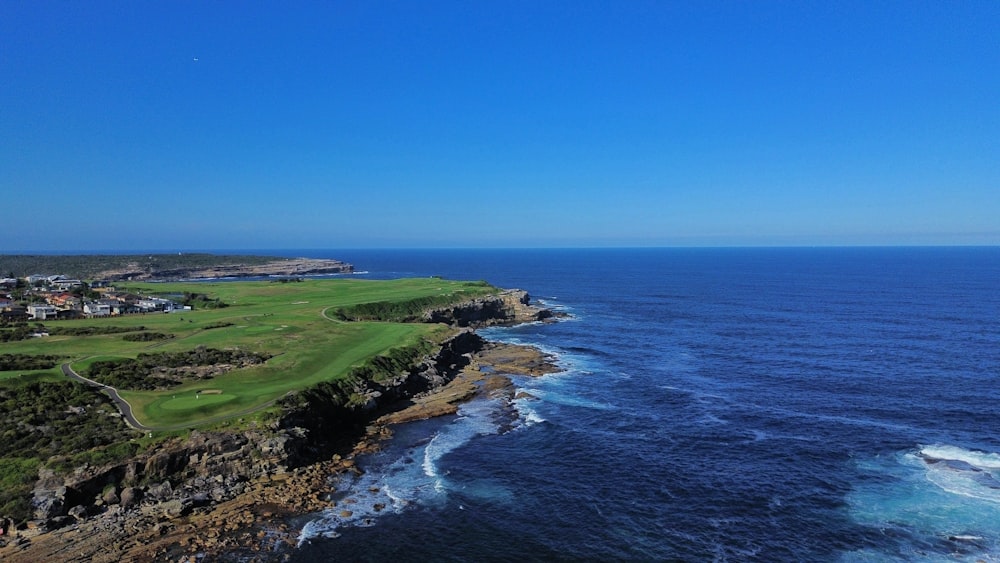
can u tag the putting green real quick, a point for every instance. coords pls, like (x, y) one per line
(196, 401)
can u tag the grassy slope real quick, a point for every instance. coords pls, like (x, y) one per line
(282, 319)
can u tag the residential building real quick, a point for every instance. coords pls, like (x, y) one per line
(42, 312)
(96, 309)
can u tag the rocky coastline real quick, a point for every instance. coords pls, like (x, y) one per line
(230, 495)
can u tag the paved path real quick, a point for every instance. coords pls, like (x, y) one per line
(126, 409)
(122, 404)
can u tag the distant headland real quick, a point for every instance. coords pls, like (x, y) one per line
(166, 266)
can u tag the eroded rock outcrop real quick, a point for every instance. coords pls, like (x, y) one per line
(509, 307)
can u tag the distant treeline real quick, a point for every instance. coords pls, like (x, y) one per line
(86, 266)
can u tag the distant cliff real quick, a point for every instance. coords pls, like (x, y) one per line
(274, 267)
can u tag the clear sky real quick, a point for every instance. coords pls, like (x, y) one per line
(211, 125)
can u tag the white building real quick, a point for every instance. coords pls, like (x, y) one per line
(95, 309)
(42, 312)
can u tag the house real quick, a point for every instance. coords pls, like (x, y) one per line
(42, 312)
(96, 309)
(64, 284)
(156, 304)
(113, 305)
(5, 303)
(65, 301)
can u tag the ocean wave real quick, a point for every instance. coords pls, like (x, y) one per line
(395, 484)
(968, 473)
(527, 415)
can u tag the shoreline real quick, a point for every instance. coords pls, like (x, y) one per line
(256, 525)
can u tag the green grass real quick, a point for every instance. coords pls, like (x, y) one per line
(292, 321)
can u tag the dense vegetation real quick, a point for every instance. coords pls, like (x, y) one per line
(146, 336)
(152, 371)
(87, 266)
(18, 332)
(47, 422)
(88, 330)
(23, 331)
(404, 311)
(27, 362)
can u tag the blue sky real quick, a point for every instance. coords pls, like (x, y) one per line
(202, 125)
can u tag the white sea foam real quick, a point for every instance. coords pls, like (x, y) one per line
(401, 483)
(527, 413)
(968, 473)
(982, 460)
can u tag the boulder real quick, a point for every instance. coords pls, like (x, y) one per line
(130, 497)
(79, 512)
(162, 491)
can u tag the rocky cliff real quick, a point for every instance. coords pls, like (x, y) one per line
(509, 307)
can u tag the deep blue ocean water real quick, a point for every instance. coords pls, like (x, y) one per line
(716, 404)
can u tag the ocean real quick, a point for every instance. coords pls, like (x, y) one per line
(796, 404)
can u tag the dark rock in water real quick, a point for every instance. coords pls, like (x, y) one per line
(959, 465)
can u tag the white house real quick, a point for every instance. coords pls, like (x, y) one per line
(95, 309)
(65, 284)
(42, 312)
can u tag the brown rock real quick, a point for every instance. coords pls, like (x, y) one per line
(130, 496)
